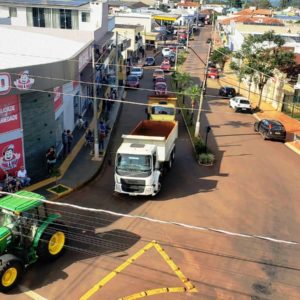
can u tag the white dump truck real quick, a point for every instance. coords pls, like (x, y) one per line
(143, 157)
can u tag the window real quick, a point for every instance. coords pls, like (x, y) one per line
(38, 16)
(13, 12)
(65, 19)
(85, 17)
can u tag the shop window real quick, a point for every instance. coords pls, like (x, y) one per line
(65, 18)
(38, 16)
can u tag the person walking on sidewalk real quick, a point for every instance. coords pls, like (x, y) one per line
(51, 159)
(70, 140)
(64, 138)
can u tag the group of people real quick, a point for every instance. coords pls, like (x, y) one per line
(103, 130)
(12, 184)
(67, 139)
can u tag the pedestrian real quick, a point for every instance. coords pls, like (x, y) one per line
(22, 176)
(70, 139)
(89, 137)
(51, 159)
(64, 138)
(102, 134)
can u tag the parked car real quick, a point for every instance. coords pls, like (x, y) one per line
(149, 61)
(213, 73)
(159, 79)
(171, 57)
(132, 81)
(165, 66)
(158, 73)
(227, 91)
(160, 88)
(240, 104)
(270, 129)
(208, 41)
(165, 51)
(138, 71)
(211, 65)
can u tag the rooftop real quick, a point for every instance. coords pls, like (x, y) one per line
(33, 46)
(252, 20)
(73, 3)
(128, 26)
(190, 4)
(251, 12)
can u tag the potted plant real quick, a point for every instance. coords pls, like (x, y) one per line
(206, 159)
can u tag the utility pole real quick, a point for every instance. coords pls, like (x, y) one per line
(96, 139)
(117, 65)
(197, 127)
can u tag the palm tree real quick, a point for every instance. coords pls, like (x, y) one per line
(193, 92)
(184, 82)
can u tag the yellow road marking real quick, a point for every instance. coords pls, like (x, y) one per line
(154, 292)
(188, 285)
(30, 293)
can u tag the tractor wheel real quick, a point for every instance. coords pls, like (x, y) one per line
(10, 272)
(52, 242)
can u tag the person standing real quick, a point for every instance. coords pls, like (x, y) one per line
(51, 159)
(22, 176)
(64, 138)
(70, 140)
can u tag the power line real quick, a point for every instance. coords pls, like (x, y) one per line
(154, 220)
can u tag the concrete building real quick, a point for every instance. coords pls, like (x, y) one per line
(43, 70)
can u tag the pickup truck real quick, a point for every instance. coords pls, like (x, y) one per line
(161, 108)
(143, 157)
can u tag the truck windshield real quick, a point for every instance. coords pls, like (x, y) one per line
(162, 110)
(134, 165)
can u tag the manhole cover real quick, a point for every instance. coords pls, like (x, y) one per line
(59, 189)
(262, 288)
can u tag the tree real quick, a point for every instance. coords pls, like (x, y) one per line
(261, 3)
(236, 3)
(183, 81)
(261, 55)
(220, 56)
(193, 92)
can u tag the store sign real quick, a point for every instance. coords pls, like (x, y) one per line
(5, 83)
(24, 82)
(9, 114)
(11, 156)
(58, 98)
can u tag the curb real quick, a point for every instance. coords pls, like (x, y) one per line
(292, 147)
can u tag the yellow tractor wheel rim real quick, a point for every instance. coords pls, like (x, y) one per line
(56, 243)
(9, 276)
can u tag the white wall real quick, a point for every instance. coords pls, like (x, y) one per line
(21, 19)
(135, 19)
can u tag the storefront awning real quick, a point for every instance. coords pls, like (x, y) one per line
(165, 17)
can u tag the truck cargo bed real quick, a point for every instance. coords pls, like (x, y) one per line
(153, 128)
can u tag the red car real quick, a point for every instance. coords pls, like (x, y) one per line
(213, 73)
(160, 88)
(165, 66)
(159, 79)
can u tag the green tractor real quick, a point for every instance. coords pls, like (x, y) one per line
(27, 233)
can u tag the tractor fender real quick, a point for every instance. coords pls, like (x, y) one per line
(43, 227)
(7, 257)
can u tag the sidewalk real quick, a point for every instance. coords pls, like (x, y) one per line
(79, 167)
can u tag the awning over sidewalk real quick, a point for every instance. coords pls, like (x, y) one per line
(165, 17)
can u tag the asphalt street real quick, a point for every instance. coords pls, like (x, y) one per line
(253, 188)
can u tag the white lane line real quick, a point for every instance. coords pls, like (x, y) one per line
(31, 294)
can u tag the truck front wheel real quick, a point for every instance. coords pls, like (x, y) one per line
(52, 242)
(10, 273)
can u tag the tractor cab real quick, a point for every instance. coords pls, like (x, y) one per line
(27, 233)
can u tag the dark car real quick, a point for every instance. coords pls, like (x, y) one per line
(159, 79)
(227, 91)
(208, 41)
(211, 65)
(270, 129)
(132, 81)
(149, 61)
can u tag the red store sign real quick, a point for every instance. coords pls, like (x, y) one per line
(5, 83)
(9, 114)
(11, 156)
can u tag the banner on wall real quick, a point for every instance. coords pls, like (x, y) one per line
(11, 156)
(58, 98)
(9, 114)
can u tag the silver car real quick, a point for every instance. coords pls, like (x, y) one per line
(137, 71)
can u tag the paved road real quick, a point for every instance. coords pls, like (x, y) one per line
(253, 188)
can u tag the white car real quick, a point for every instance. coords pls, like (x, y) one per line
(137, 71)
(166, 51)
(240, 104)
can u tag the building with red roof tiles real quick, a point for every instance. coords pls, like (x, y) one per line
(255, 11)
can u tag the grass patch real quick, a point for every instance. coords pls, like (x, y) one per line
(59, 189)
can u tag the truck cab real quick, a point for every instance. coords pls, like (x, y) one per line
(161, 108)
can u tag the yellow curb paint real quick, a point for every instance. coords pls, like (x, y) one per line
(292, 147)
(155, 292)
(30, 293)
(69, 190)
(188, 285)
(40, 184)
